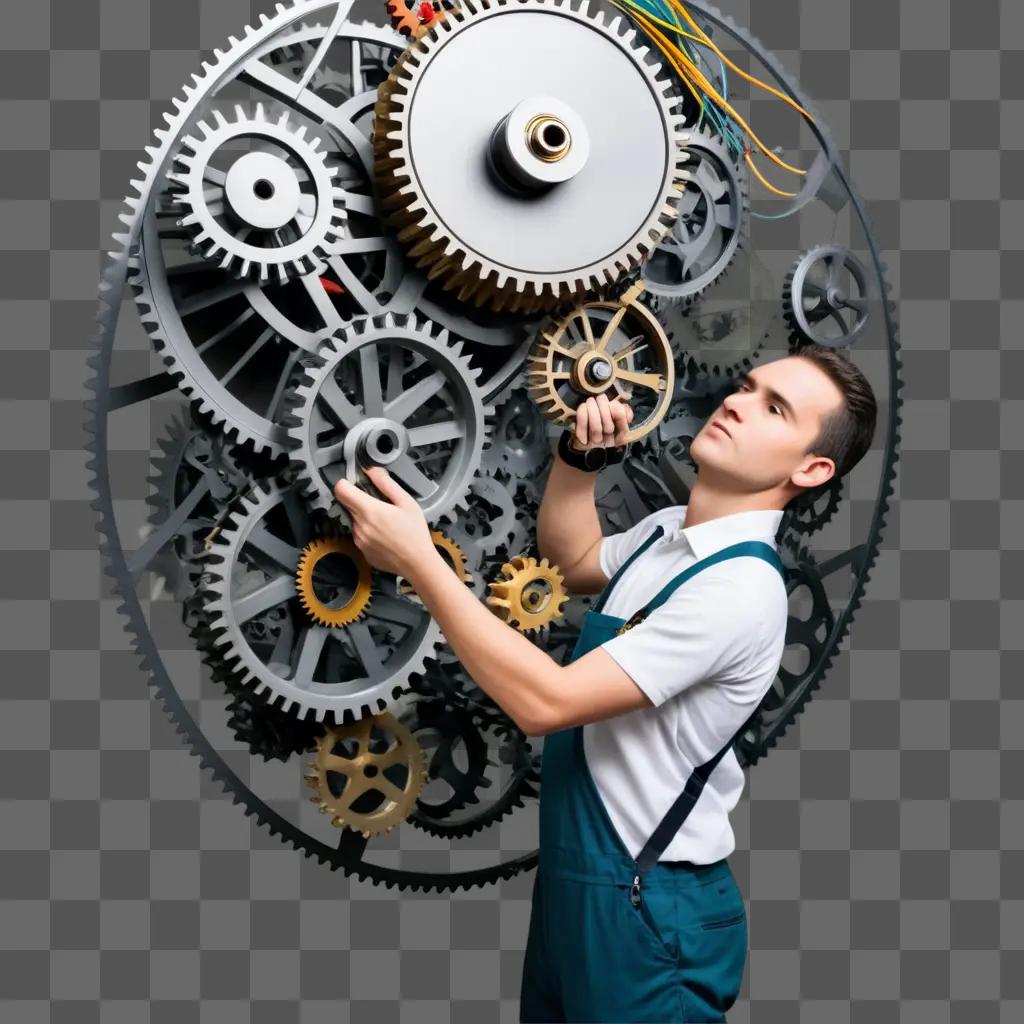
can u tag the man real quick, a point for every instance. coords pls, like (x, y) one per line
(636, 914)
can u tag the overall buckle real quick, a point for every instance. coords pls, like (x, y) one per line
(635, 620)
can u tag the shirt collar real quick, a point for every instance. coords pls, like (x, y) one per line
(711, 536)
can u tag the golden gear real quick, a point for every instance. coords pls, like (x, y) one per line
(406, 17)
(452, 552)
(529, 594)
(588, 368)
(363, 772)
(312, 554)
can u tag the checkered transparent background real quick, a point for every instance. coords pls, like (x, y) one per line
(880, 846)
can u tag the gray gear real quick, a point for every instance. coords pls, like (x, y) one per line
(196, 477)
(336, 435)
(187, 308)
(276, 208)
(489, 195)
(817, 299)
(343, 671)
(717, 335)
(468, 530)
(522, 435)
(710, 229)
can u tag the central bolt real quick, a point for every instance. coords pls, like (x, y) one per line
(548, 137)
(600, 370)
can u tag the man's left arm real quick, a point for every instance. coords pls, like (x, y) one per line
(537, 693)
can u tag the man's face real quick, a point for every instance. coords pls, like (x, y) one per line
(768, 434)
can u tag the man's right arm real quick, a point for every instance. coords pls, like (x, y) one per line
(568, 529)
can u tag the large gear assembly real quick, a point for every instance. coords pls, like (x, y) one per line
(421, 243)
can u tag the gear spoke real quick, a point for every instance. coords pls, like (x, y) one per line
(347, 414)
(311, 645)
(365, 648)
(278, 551)
(654, 381)
(405, 468)
(393, 609)
(435, 433)
(369, 380)
(263, 598)
(401, 408)
(247, 356)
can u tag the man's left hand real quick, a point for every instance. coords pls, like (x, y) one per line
(393, 535)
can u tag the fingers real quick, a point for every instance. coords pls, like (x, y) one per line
(622, 414)
(607, 423)
(602, 422)
(582, 435)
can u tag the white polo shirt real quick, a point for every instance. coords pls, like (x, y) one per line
(705, 658)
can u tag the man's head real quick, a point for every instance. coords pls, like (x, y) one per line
(792, 424)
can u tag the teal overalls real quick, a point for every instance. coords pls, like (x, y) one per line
(617, 939)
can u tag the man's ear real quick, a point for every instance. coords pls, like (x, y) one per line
(817, 470)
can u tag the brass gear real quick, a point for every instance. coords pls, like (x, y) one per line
(527, 594)
(454, 556)
(364, 773)
(575, 362)
(405, 17)
(312, 554)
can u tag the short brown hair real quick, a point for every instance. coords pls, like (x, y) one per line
(846, 435)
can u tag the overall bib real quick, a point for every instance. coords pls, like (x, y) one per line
(613, 938)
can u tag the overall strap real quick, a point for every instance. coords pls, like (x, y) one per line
(684, 803)
(756, 548)
(658, 531)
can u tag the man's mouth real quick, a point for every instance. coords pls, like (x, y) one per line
(721, 428)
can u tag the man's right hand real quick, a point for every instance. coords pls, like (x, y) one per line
(600, 423)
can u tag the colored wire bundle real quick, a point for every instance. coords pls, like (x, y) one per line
(686, 60)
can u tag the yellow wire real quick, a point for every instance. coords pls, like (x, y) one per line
(706, 41)
(688, 70)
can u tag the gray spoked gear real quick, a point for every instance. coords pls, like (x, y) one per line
(710, 229)
(503, 228)
(489, 524)
(196, 476)
(717, 336)
(273, 208)
(817, 300)
(430, 406)
(521, 435)
(342, 671)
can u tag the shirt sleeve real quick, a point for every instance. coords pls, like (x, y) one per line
(617, 547)
(707, 630)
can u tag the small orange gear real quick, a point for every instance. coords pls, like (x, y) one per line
(528, 594)
(453, 554)
(312, 554)
(349, 774)
(410, 18)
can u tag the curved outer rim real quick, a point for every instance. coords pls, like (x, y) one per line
(111, 291)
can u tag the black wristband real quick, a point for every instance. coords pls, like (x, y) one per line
(590, 460)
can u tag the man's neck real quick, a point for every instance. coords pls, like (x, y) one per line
(707, 502)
